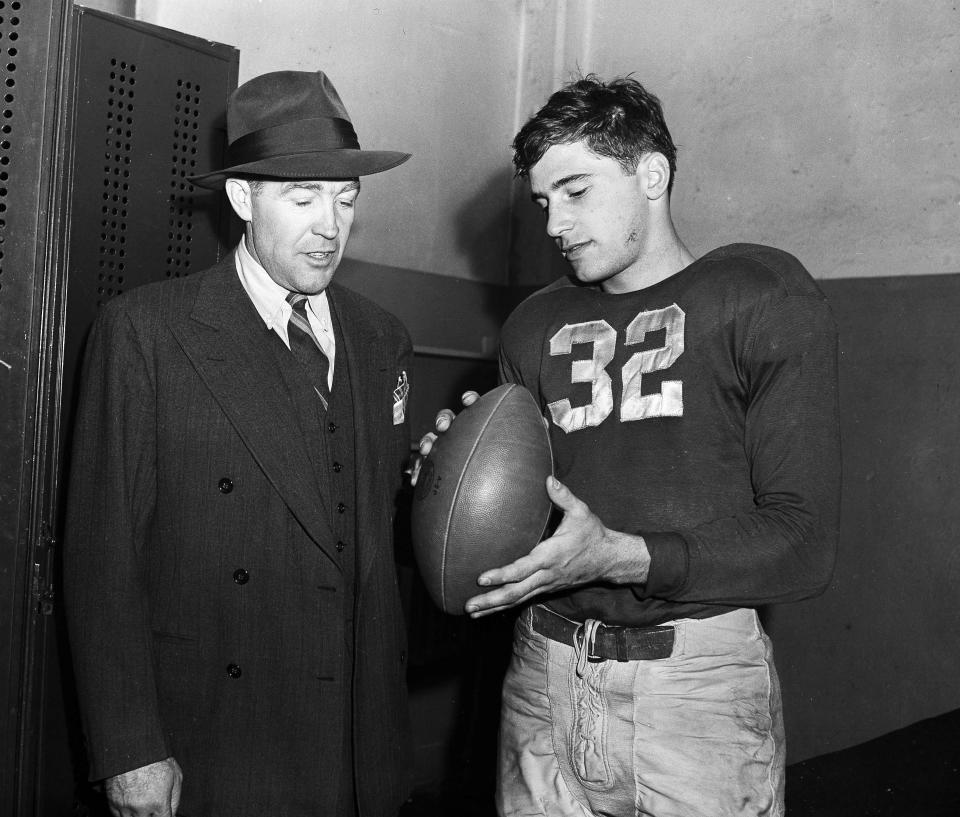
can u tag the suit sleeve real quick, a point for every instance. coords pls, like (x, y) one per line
(111, 500)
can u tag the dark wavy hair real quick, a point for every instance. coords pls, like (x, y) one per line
(619, 119)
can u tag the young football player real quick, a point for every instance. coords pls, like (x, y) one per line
(692, 409)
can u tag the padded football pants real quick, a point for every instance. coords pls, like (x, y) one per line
(699, 734)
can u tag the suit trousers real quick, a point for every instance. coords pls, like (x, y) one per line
(698, 734)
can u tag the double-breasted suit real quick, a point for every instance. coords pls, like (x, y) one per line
(204, 584)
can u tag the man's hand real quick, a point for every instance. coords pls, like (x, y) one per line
(150, 791)
(442, 423)
(581, 550)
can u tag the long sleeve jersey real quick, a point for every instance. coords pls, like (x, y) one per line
(701, 413)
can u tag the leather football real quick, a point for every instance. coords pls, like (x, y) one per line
(481, 499)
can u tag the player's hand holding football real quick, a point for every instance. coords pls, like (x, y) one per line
(581, 550)
(442, 423)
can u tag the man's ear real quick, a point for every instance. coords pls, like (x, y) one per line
(240, 195)
(657, 176)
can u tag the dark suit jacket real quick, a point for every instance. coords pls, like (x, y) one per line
(188, 466)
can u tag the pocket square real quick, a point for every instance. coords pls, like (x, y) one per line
(400, 395)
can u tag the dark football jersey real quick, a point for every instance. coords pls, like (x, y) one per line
(701, 413)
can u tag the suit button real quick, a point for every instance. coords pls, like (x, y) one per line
(241, 576)
(340, 547)
(225, 485)
(341, 507)
(234, 671)
(337, 467)
(403, 657)
(331, 426)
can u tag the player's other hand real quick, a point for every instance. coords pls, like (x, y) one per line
(442, 423)
(582, 550)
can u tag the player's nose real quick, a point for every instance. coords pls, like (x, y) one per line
(558, 222)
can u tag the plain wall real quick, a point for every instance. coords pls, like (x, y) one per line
(433, 79)
(879, 650)
(826, 128)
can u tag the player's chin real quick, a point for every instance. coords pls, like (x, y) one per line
(587, 273)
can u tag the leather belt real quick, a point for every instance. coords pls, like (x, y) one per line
(608, 641)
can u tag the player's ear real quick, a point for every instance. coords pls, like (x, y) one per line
(240, 195)
(656, 178)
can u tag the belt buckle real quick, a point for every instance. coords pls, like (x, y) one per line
(580, 635)
(591, 657)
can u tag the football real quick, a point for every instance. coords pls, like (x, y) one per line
(481, 500)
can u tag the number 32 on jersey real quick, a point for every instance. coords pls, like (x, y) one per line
(668, 402)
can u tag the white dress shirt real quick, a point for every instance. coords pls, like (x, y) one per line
(270, 299)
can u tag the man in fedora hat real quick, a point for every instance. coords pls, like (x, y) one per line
(231, 595)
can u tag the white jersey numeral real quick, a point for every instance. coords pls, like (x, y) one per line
(668, 402)
(604, 339)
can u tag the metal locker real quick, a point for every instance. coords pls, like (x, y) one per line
(105, 118)
(149, 111)
(31, 37)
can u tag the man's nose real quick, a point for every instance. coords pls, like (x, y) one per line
(325, 223)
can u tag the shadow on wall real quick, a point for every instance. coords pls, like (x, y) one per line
(509, 247)
(482, 231)
(534, 258)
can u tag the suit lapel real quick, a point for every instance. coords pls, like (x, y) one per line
(368, 376)
(228, 344)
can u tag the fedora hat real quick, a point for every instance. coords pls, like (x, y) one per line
(293, 125)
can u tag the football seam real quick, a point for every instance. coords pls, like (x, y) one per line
(456, 496)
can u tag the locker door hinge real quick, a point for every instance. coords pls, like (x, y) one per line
(44, 592)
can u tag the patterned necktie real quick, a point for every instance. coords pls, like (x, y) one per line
(305, 346)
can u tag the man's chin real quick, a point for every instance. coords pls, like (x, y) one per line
(317, 278)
